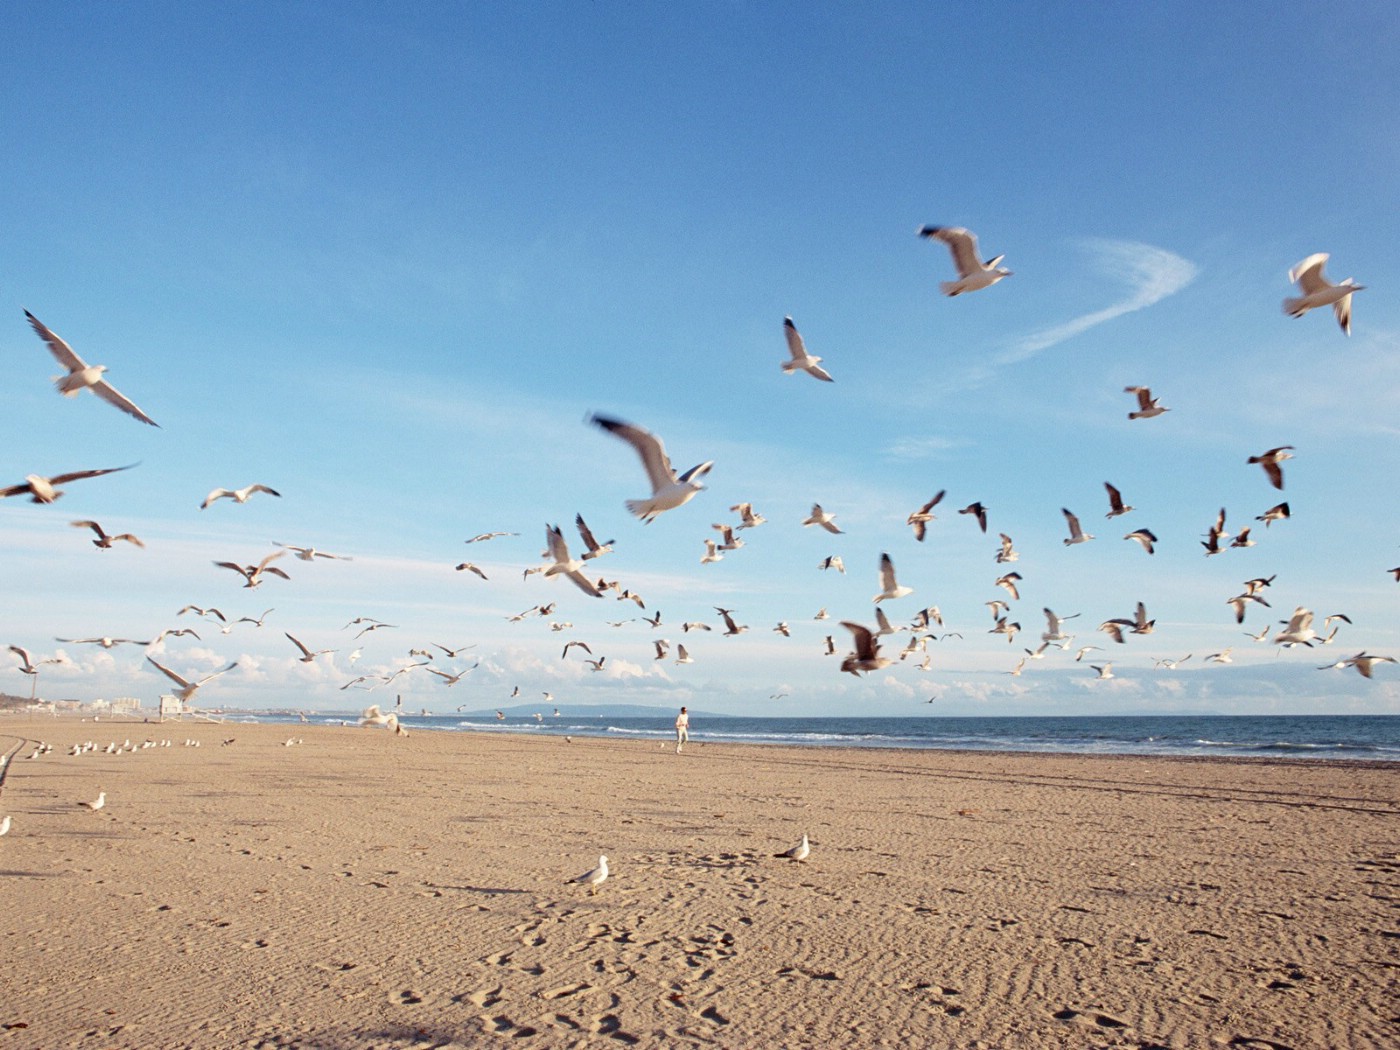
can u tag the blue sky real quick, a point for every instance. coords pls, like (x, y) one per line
(388, 263)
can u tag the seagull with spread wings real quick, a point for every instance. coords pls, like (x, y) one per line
(668, 489)
(800, 359)
(80, 374)
(237, 495)
(1319, 291)
(45, 490)
(973, 273)
(564, 564)
(104, 541)
(187, 688)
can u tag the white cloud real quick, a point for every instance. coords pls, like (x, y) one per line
(1151, 273)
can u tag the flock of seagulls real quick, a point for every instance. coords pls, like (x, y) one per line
(670, 491)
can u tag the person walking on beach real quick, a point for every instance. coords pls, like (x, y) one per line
(682, 729)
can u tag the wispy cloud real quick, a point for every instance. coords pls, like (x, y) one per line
(1151, 274)
(923, 447)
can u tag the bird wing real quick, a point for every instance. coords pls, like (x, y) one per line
(887, 580)
(216, 674)
(110, 394)
(1115, 498)
(961, 243)
(585, 533)
(168, 673)
(796, 347)
(654, 459)
(1074, 529)
(863, 638)
(304, 650)
(586, 585)
(62, 351)
(818, 372)
(78, 475)
(1307, 275)
(264, 488)
(1342, 309)
(556, 545)
(216, 494)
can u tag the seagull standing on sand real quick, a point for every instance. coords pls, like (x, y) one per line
(5, 825)
(595, 878)
(237, 495)
(1319, 291)
(668, 490)
(80, 374)
(97, 803)
(798, 852)
(800, 359)
(973, 273)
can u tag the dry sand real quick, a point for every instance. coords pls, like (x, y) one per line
(363, 890)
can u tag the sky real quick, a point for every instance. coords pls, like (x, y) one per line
(389, 261)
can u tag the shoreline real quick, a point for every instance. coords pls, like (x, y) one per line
(362, 889)
(1285, 752)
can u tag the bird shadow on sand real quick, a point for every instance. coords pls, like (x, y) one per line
(490, 891)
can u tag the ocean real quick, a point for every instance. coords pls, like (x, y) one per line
(1344, 737)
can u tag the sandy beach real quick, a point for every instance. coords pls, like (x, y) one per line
(357, 889)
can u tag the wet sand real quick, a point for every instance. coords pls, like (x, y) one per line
(359, 889)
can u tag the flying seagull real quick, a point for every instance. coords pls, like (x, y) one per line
(800, 359)
(1147, 404)
(311, 553)
(668, 490)
(46, 490)
(1115, 502)
(252, 574)
(80, 374)
(187, 688)
(237, 495)
(104, 541)
(979, 512)
(1270, 461)
(1076, 534)
(889, 587)
(482, 537)
(973, 273)
(1319, 291)
(1143, 536)
(822, 518)
(595, 549)
(307, 656)
(564, 564)
(920, 518)
(31, 666)
(867, 651)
